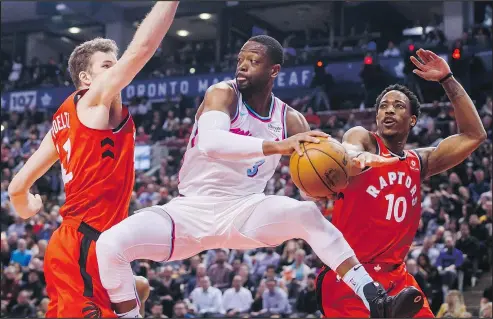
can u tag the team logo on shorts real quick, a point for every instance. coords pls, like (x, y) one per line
(91, 311)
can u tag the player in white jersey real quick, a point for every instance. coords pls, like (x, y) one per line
(240, 133)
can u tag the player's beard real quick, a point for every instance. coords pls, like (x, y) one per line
(253, 87)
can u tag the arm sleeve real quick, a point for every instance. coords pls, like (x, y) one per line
(215, 139)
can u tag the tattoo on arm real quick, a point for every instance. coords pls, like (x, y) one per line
(453, 89)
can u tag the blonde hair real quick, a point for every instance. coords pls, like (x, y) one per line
(286, 247)
(80, 58)
(456, 309)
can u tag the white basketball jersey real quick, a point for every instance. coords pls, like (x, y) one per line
(201, 175)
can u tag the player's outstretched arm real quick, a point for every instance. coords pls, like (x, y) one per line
(361, 150)
(143, 46)
(25, 203)
(216, 140)
(456, 148)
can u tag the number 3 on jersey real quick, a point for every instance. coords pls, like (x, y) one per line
(66, 177)
(395, 207)
(252, 172)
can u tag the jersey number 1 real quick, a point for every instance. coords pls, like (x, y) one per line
(395, 207)
(66, 177)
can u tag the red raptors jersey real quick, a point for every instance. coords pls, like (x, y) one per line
(97, 166)
(381, 209)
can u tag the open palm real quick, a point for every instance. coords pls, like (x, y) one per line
(432, 67)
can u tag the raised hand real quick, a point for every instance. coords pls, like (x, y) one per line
(433, 68)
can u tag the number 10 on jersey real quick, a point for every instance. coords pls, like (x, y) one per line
(397, 207)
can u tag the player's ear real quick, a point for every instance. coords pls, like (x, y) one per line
(413, 121)
(85, 78)
(276, 68)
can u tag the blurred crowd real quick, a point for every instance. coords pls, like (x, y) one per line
(452, 249)
(300, 48)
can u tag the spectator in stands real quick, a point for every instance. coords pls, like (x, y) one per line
(19, 227)
(246, 278)
(448, 261)
(420, 276)
(454, 306)
(427, 249)
(220, 271)
(33, 286)
(312, 118)
(274, 300)
(299, 268)
(157, 311)
(392, 50)
(4, 252)
(21, 255)
(242, 255)
(307, 303)
(23, 308)
(42, 308)
(478, 230)
(485, 311)
(469, 245)
(287, 257)
(433, 278)
(142, 137)
(180, 310)
(270, 257)
(16, 72)
(237, 300)
(10, 284)
(207, 300)
(194, 280)
(257, 305)
(479, 186)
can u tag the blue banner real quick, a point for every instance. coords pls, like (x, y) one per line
(158, 89)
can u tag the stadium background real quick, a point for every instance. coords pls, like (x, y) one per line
(339, 55)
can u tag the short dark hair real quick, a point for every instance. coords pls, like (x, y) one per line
(413, 99)
(271, 267)
(311, 276)
(274, 48)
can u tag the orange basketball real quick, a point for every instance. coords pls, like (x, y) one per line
(322, 170)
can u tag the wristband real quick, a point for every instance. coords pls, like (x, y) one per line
(446, 77)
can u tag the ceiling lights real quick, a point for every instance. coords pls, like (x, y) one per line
(182, 33)
(205, 16)
(74, 30)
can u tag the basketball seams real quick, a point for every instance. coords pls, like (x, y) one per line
(316, 149)
(299, 177)
(314, 169)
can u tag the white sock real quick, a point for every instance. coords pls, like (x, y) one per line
(357, 278)
(134, 313)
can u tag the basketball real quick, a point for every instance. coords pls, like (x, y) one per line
(322, 170)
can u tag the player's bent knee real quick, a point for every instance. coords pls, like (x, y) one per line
(107, 249)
